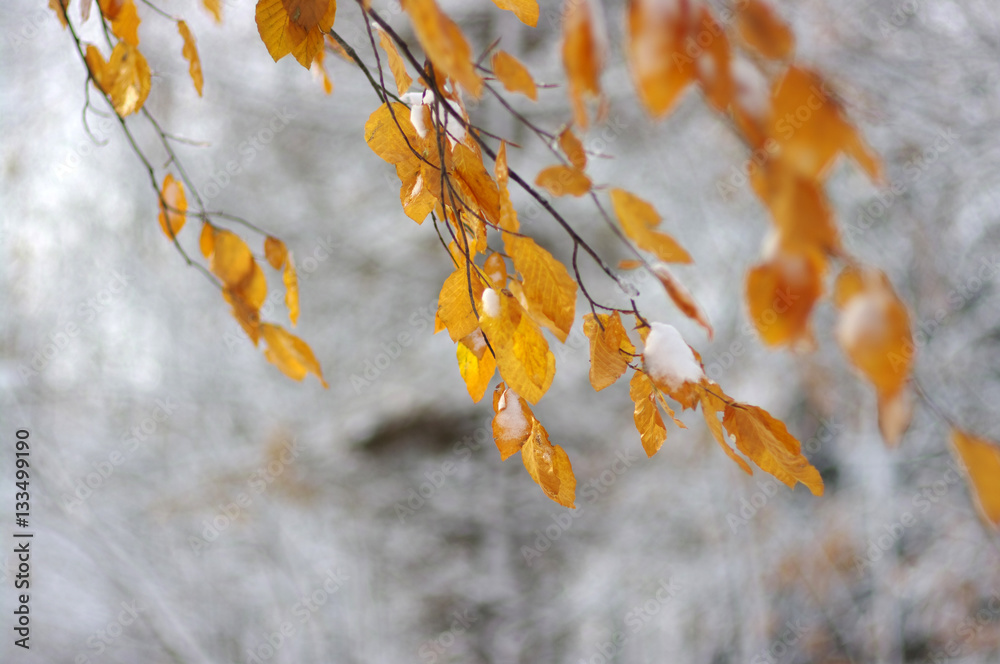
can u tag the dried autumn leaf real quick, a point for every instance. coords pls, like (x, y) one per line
(514, 75)
(59, 7)
(476, 364)
(638, 218)
(454, 306)
(660, 66)
(583, 53)
(173, 217)
(682, 297)
(214, 7)
(231, 259)
(713, 405)
(396, 64)
(444, 43)
(98, 67)
(799, 207)
(126, 79)
(981, 459)
(523, 357)
(295, 26)
(549, 466)
(610, 348)
(291, 282)
(109, 8)
(563, 180)
(469, 167)
(572, 148)
(190, 53)
(648, 420)
(125, 24)
(275, 252)
(546, 282)
(290, 354)
(894, 414)
(763, 30)
(781, 293)
(206, 241)
(318, 70)
(513, 422)
(766, 441)
(525, 10)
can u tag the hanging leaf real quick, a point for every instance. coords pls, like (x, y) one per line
(712, 405)
(648, 420)
(512, 423)
(762, 30)
(523, 357)
(396, 64)
(190, 53)
(454, 306)
(638, 218)
(290, 354)
(781, 294)
(525, 10)
(214, 7)
(573, 148)
(583, 53)
(173, 217)
(125, 77)
(546, 282)
(563, 180)
(444, 43)
(661, 69)
(275, 252)
(295, 26)
(514, 76)
(681, 297)
(610, 348)
(291, 282)
(549, 466)
(125, 24)
(231, 260)
(981, 459)
(476, 364)
(206, 241)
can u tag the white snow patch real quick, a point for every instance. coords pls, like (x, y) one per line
(491, 303)
(510, 416)
(417, 120)
(863, 319)
(753, 93)
(669, 359)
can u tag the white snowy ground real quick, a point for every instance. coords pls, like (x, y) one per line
(246, 515)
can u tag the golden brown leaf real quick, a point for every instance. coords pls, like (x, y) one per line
(546, 282)
(214, 7)
(290, 354)
(549, 466)
(610, 348)
(318, 70)
(291, 281)
(295, 26)
(126, 78)
(514, 75)
(454, 305)
(682, 297)
(513, 422)
(495, 268)
(766, 442)
(648, 420)
(573, 148)
(469, 167)
(661, 69)
(172, 217)
(190, 53)
(525, 10)
(206, 241)
(231, 259)
(712, 405)
(59, 7)
(799, 207)
(476, 364)
(563, 180)
(125, 24)
(523, 357)
(98, 68)
(583, 53)
(396, 64)
(763, 30)
(638, 218)
(275, 252)
(981, 459)
(781, 293)
(444, 43)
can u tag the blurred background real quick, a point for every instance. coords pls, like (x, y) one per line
(191, 504)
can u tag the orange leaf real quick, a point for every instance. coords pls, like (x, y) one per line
(206, 241)
(981, 459)
(799, 207)
(525, 10)
(291, 282)
(648, 420)
(549, 466)
(711, 407)
(766, 441)
(59, 7)
(563, 180)
(275, 252)
(523, 357)
(469, 167)
(214, 7)
(231, 260)
(781, 293)
(444, 43)
(173, 217)
(454, 305)
(126, 79)
(514, 76)
(125, 24)
(396, 64)
(476, 364)
(681, 297)
(512, 423)
(546, 282)
(610, 348)
(638, 218)
(572, 148)
(290, 354)
(295, 26)
(190, 53)
(763, 30)
(661, 68)
(583, 53)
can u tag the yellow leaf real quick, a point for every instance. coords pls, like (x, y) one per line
(172, 219)
(214, 7)
(206, 241)
(125, 24)
(495, 268)
(275, 252)
(610, 348)
(766, 442)
(247, 316)
(894, 414)
(638, 218)
(454, 305)
(514, 75)
(289, 353)
(981, 459)
(648, 420)
(98, 68)
(388, 136)
(291, 282)
(396, 64)
(508, 216)
(231, 259)
(781, 294)
(523, 357)
(470, 169)
(563, 180)
(128, 79)
(761, 29)
(500, 171)
(682, 297)
(711, 407)
(190, 53)
(318, 70)
(546, 282)
(661, 69)
(476, 364)
(583, 53)
(572, 148)
(549, 466)
(59, 7)
(444, 43)
(513, 422)
(525, 10)
(799, 207)
(295, 26)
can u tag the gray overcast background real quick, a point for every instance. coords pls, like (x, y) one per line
(684, 555)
